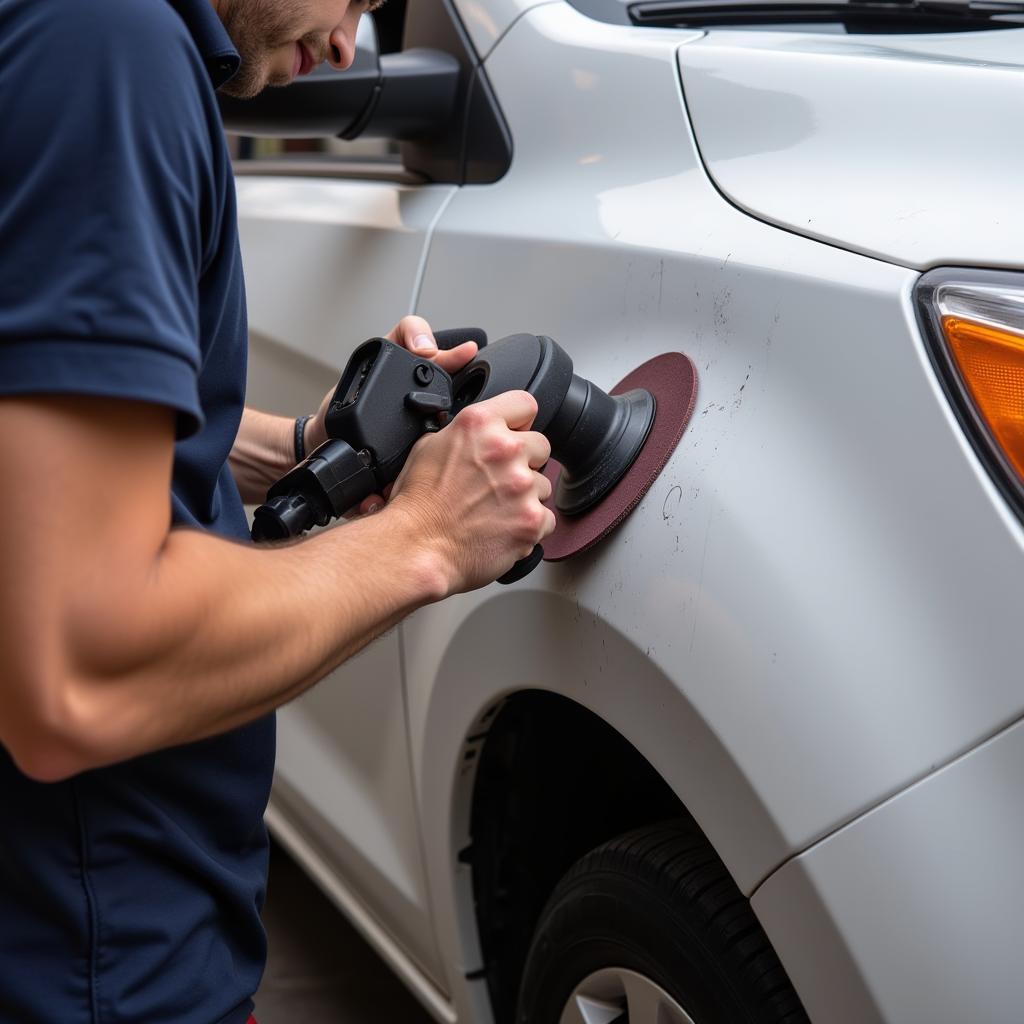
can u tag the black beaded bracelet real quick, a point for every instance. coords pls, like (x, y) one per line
(300, 436)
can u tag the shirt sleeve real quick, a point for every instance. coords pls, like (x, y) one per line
(105, 182)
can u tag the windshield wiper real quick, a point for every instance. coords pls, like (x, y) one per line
(859, 15)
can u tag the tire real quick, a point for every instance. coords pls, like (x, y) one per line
(656, 904)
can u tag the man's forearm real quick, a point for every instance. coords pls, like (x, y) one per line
(223, 633)
(263, 452)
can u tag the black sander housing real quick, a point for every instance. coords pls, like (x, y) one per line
(388, 398)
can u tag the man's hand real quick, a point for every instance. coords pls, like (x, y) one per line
(472, 492)
(414, 334)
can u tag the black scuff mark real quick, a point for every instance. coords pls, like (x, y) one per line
(666, 512)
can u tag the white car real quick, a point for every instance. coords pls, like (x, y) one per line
(759, 753)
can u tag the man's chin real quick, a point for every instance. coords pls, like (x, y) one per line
(245, 91)
(246, 85)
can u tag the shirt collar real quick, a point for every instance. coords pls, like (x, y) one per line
(211, 39)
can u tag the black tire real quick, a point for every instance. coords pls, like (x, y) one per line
(659, 902)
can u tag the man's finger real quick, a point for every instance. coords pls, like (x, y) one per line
(544, 487)
(371, 504)
(538, 449)
(517, 408)
(374, 503)
(456, 358)
(414, 334)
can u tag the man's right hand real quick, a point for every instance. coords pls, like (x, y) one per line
(474, 493)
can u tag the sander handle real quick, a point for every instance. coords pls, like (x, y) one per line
(524, 566)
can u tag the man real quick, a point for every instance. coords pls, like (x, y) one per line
(145, 642)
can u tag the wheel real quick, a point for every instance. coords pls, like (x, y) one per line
(650, 929)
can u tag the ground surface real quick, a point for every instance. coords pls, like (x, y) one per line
(319, 970)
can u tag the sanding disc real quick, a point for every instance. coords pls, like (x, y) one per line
(672, 379)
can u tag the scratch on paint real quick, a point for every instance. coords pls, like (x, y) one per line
(667, 514)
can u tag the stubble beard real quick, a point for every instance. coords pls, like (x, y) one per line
(257, 28)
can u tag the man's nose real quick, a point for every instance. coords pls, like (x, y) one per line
(341, 45)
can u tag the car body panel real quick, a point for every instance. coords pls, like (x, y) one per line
(324, 258)
(815, 606)
(900, 147)
(799, 619)
(486, 21)
(314, 293)
(916, 906)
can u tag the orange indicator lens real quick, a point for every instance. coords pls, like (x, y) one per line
(991, 363)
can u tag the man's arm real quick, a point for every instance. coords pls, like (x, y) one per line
(264, 450)
(123, 636)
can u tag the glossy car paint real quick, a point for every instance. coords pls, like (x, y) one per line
(813, 609)
(487, 21)
(898, 147)
(913, 912)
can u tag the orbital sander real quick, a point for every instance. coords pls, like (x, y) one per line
(607, 449)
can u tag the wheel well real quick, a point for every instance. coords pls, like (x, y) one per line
(553, 781)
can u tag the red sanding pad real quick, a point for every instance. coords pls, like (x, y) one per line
(672, 379)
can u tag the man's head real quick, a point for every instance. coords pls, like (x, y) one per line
(281, 39)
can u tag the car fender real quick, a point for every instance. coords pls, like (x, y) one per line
(529, 638)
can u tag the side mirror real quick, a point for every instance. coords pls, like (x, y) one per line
(404, 96)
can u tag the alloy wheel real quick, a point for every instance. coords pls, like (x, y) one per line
(615, 995)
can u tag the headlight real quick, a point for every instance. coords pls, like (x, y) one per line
(974, 323)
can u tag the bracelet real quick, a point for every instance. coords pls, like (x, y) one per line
(300, 436)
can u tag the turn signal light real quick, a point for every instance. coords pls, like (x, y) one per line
(991, 362)
(974, 322)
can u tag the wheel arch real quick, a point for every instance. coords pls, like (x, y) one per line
(465, 676)
(553, 781)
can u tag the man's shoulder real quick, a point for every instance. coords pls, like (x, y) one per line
(86, 30)
(113, 82)
(105, 17)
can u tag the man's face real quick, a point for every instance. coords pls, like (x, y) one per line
(278, 40)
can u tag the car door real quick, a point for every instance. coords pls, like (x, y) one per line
(333, 236)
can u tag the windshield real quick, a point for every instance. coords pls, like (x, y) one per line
(853, 16)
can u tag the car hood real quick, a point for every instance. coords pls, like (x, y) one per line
(907, 148)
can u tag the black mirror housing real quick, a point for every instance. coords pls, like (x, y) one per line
(403, 96)
(433, 97)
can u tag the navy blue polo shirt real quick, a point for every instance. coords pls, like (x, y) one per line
(130, 893)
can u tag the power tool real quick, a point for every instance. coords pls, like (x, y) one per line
(388, 398)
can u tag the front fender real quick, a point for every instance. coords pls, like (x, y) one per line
(464, 656)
